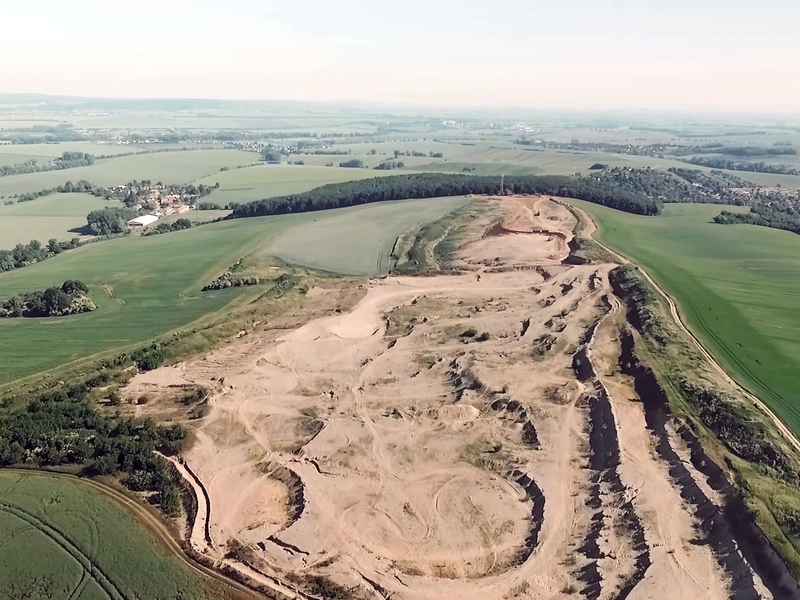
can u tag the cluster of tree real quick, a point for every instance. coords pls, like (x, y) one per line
(598, 167)
(390, 165)
(26, 254)
(69, 299)
(719, 162)
(110, 220)
(169, 227)
(432, 185)
(271, 155)
(229, 280)
(62, 427)
(785, 217)
(352, 164)
(208, 206)
(68, 160)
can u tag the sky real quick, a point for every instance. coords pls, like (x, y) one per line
(683, 55)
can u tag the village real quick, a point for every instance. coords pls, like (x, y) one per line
(157, 200)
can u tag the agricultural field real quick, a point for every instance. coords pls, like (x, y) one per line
(145, 286)
(62, 538)
(357, 240)
(737, 287)
(56, 216)
(169, 167)
(267, 181)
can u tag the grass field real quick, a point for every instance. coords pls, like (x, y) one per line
(142, 286)
(268, 181)
(146, 286)
(357, 240)
(737, 287)
(45, 218)
(169, 167)
(59, 538)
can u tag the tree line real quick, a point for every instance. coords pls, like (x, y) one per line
(68, 160)
(432, 185)
(720, 162)
(777, 217)
(27, 254)
(82, 186)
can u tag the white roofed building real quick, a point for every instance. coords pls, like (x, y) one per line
(142, 221)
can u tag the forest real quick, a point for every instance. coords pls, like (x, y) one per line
(434, 185)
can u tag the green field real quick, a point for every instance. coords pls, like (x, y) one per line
(357, 240)
(145, 286)
(169, 167)
(142, 286)
(268, 181)
(737, 287)
(47, 217)
(60, 538)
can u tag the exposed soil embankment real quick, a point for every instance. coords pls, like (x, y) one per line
(608, 496)
(731, 531)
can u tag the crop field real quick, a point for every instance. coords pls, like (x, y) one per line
(357, 240)
(46, 218)
(63, 539)
(169, 167)
(145, 286)
(50, 151)
(268, 181)
(737, 286)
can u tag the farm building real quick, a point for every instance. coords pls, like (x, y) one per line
(142, 221)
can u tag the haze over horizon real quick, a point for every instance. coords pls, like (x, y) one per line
(705, 56)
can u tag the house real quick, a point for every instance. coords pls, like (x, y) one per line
(142, 221)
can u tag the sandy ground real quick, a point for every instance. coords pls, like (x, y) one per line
(435, 441)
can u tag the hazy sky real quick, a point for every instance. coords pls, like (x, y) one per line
(718, 55)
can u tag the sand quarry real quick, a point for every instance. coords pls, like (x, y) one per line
(457, 436)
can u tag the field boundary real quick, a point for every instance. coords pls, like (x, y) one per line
(675, 313)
